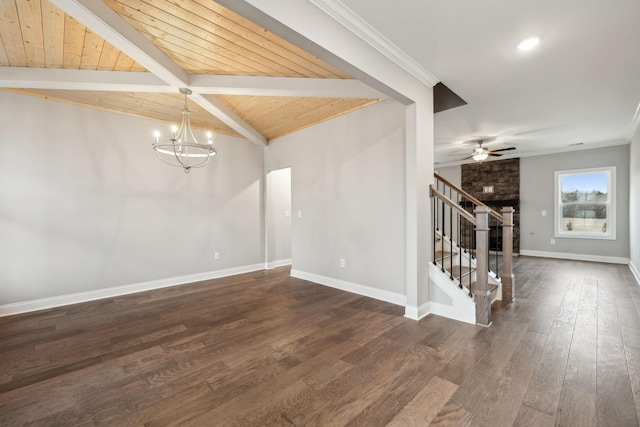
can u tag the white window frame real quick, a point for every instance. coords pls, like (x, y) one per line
(611, 204)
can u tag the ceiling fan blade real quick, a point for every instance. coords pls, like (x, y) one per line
(493, 154)
(466, 158)
(502, 149)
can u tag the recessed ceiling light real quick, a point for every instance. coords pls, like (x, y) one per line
(528, 43)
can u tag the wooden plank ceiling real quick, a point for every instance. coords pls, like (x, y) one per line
(199, 36)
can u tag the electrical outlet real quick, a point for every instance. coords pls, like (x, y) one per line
(553, 241)
(342, 263)
(216, 256)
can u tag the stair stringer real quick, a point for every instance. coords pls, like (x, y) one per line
(461, 308)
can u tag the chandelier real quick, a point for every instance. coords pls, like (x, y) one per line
(183, 149)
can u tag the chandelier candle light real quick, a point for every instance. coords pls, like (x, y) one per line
(183, 149)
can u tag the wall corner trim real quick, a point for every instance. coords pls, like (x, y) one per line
(354, 288)
(278, 263)
(62, 300)
(417, 313)
(635, 271)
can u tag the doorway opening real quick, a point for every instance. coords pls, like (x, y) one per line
(278, 218)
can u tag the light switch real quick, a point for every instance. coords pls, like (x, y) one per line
(286, 214)
(299, 214)
(544, 213)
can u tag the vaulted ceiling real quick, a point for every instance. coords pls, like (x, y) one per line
(133, 56)
(580, 89)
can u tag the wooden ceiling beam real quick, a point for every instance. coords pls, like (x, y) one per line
(222, 111)
(205, 84)
(64, 79)
(282, 86)
(108, 24)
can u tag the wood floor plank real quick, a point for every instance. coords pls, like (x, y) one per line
(501, 406)
(424, 407)
(614, 400)
(453, 415)
(580, 373)
(478, 384)
(576, 409)
(531, 417)
(543, 392)
(263, 348)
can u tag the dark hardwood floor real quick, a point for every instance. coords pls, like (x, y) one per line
(266, 349)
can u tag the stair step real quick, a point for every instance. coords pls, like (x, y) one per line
(444, 254)
(459, 272)
(492, 287)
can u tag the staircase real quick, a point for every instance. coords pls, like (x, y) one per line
(468, 272)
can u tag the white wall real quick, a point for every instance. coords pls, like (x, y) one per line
(347, 182)
(536, 195)
(86, 205)
(278, 217)
(634, 205)
(306, 25)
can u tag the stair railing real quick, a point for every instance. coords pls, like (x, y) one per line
(454, 220)
(451, 220)
(500, 224)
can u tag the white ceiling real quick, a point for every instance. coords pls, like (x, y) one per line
(581, 85)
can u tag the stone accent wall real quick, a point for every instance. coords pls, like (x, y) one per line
(504, 176)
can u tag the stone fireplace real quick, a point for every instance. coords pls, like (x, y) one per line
(496, 184)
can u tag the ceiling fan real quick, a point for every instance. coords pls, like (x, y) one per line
(480, 153)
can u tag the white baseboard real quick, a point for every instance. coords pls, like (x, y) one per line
(417, 313)
(576, 257)
(634, 271)
(58, 301)
(278, 263)
(367, 291)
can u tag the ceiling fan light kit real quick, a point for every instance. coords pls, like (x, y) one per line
(481, 153)
(183, 149)
(529, 43)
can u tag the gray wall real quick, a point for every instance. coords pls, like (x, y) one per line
(536, 195)
(86, 205)
(347, 183)
(634, 201)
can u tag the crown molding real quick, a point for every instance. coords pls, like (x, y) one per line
(354, 23)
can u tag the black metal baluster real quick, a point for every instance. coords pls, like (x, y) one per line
(442, 238)
(460, 225)
(498, 246)
(450, 236)
(472, 231)
(433, 206)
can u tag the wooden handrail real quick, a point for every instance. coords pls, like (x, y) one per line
(452, 204)
(468, 196)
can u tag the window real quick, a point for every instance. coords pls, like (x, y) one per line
(585, 203)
